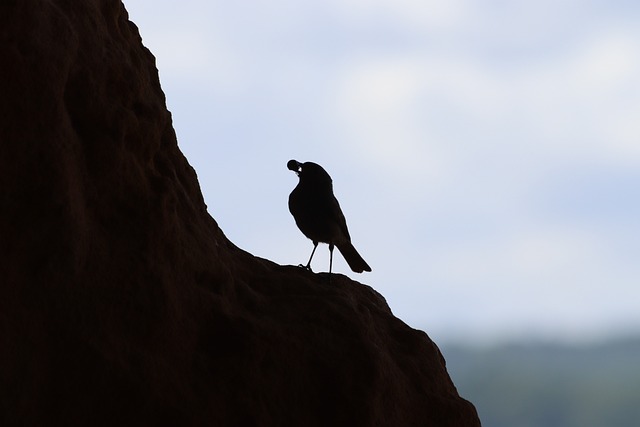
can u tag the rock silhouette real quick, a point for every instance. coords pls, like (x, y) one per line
(121, 300)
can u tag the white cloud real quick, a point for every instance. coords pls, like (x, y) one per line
(416, 107)
(609, 63)
(535, 255)
(182, 51)
(420, 15)
(606, 74)
(376, 103)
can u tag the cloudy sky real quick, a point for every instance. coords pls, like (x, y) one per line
(486, 153)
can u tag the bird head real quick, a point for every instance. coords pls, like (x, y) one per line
(295, 166)
(310, 172)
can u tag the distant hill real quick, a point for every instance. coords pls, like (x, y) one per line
(550, 385)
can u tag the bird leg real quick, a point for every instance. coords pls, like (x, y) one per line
(330, 259)
(308, 266)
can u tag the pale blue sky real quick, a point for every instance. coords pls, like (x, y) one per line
(486, 153)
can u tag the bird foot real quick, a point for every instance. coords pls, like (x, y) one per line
(306, 267)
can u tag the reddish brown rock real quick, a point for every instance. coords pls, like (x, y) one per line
(123, 303)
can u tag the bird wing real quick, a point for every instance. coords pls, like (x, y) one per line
(340, 219)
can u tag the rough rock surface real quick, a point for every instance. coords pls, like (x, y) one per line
(123, 303)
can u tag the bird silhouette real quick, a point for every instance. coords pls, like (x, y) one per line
(318, 215)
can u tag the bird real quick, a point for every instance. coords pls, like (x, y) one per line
(318, 215)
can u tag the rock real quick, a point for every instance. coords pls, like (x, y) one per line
(123, 303)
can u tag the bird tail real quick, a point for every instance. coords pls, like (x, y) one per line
(353, 258)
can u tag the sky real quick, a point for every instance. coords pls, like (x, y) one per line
(486, 154)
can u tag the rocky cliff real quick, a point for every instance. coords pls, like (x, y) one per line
(123, 303)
